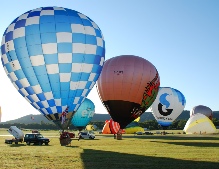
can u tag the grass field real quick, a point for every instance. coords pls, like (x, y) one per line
(178, 151)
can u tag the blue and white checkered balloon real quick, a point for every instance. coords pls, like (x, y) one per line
(53, 56)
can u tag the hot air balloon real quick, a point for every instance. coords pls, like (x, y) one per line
(91, 127)
(127, 87)
(133, 127)
(203, 110)
(53, 56)
(106, 128)
(168, 105)
(199, 124)
(111, 127)
(84, 114)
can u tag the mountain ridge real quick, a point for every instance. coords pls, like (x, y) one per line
(28, 119)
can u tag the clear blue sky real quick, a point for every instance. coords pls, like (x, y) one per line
(180, 37)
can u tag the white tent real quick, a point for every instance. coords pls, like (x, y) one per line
(199, 124)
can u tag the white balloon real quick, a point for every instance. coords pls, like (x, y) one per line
(168, 105)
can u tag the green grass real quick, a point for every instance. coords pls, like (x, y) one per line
(135, 152)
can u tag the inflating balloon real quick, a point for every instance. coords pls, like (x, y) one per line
(127, 87)
(168, 105)
(53, 56)
(84, 114)
(203, 110)
(199, 124)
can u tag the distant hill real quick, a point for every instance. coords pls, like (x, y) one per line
(97, 117)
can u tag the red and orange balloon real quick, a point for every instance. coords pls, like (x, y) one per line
(127, 86)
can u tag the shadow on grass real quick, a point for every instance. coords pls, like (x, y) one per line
(96, 159)
(17, 145)
(173, 137)
(193, 144)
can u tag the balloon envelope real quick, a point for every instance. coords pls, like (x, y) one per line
(91, 127)
(199, 124)
(84, 114)
(168, 105)
(53, 56)
(203, 110)
(127, 87)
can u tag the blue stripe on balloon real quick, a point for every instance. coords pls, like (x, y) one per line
(98, 33)
(19, 42)
(18, 83)
(47, 27)
(99, 51)
(51, 103)
(64, 47)
(51, 58)
(96, 68)
(71, 12)
(32, 79)
(41, 97)
(78, 38)
(63, 27)
(49, 37)
(33, 39)
(88, 85)
(12, 55)
(44, 83)
(90, 39)
(59, 109)
(8, 67)
(40, 104)
(35, 50)
(86, 22)
(23, 53)
(75, 76)
(65, 86)
(77, 58)
(47, 8)
(29, 90)
(19, 74)
(20, 23)
(30, 98)
(49, 110)
(79, 92)
(8, 36)
(34, 13)
(75, 20)
(84, 76)
(40, 70)
(31, 29)
(3, 49)
(57, 13)
(47, 19)
(21, 93)
(65, 67)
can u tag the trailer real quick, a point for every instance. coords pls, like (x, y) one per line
(17, 133)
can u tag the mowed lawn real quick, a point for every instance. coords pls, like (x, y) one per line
(178, 151)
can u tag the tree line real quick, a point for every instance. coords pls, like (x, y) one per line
(149, 124)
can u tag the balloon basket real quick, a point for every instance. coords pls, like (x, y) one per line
(119, 136)
(65, 139)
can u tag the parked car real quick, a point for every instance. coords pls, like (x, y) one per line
(148, 133)
(139, 133)
(86, 135)
(35, 138)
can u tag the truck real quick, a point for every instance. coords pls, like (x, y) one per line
(17, 133)
(35, 138)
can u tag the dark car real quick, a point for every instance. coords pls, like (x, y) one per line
(36, 138)
(149, 133)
